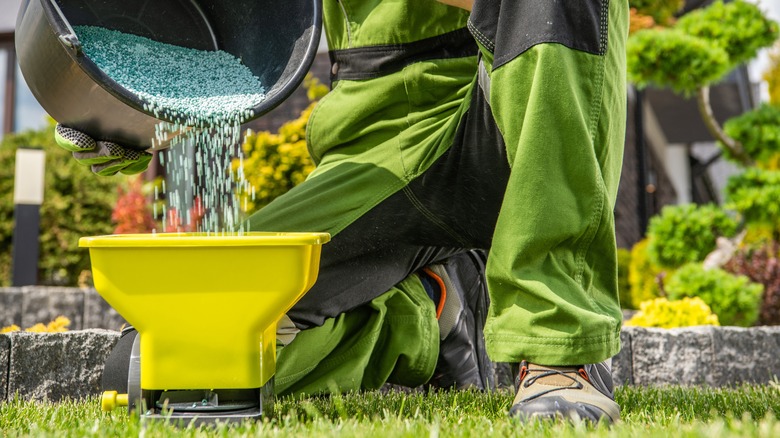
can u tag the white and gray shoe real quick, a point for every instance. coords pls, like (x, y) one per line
(579, 393)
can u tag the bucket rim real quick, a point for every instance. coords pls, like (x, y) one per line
(252, 238)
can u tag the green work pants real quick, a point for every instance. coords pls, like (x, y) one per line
(547, 107)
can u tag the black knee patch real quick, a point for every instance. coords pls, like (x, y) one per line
(510, 27)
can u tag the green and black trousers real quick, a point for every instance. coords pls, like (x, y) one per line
(501, 129)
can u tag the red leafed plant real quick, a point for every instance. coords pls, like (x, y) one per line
(176, 223)
(762, 265)
(132, 212)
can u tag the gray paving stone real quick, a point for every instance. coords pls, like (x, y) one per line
(43, 304)
(5, 352)
(672, 357)
(54, 366)
(622, 373)
(745, 355)
(99, 314)
(10, 306)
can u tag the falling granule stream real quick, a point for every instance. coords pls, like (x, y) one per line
(205, 95)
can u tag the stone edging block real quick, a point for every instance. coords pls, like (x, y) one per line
(713, 356)
(29, 305)
(621, 364)
(53, 366)
(5, 352)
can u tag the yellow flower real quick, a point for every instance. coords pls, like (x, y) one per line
(662, 313)
(9, 329)
(59, 324)
(37, 328)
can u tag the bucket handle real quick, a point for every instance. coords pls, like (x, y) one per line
(69, 40)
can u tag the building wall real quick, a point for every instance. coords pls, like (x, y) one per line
(657, 191)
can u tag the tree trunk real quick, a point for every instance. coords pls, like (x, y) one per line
(735, 148)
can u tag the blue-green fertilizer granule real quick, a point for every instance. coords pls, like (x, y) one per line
(205, 96)
(194, 87)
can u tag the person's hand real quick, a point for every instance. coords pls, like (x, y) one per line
(104, 157)
(464, 4)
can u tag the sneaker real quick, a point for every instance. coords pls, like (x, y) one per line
(570, 393)
(461, 293)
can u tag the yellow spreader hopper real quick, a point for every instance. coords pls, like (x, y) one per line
(206, 308)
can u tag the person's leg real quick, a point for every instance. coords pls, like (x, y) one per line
(396, 338)
(451, 203)
(556, 78)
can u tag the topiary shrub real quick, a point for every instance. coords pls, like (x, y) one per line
(699, 50)
(687, 233)
(761, 265)
(735, 299)
(642, 275)
(738, 27)
(662, 57)
(624, 287)
(76, 203)
(662, 313)
(759, 133)
(755, 194)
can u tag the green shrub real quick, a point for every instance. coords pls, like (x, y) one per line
(624, 286)
(755, 194)
(76, 203)
(701, 48)
(735, 299)
(687, 233)
(669, 58)
(663, 313)
(738, 27)
(662, 11)
(642, 275)
(759, 133)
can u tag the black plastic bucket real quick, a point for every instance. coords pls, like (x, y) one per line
(277, 40)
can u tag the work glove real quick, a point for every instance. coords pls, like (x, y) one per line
(106, 158)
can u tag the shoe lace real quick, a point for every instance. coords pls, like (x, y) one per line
(535, 374)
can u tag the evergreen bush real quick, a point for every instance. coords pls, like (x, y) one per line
(687, 233)
(76, 203)
(755, 194)
(662, 57)
(735, 299)
(738, 27)
(759, 133)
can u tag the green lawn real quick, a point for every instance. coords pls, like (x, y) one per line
(686, 412)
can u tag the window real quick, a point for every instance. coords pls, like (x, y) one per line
(29, 114)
